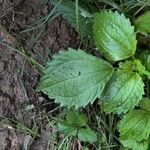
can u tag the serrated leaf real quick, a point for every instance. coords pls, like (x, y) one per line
(77, 119)
(75, 78)
(114, 35)
(135, 66)
(135, 127)
(127, 65)
(135, 145)
(82, 23)
(87, 135)
(75, 124)
(123, 92)
(142, 23)
(67, 128)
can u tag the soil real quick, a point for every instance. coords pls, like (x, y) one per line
(18, 78)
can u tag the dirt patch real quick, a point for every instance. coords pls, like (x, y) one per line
(10, 139)
(18, 78)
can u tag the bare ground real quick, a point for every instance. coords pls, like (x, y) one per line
(18, 78)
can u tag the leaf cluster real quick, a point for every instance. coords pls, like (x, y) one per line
(75, 79)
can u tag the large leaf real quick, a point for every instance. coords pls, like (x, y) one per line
(76, 16)
(135, 145)
(134, 128)
(142, 23)
(135, 125)
(75, 78)
(123, 92)
(114, 35)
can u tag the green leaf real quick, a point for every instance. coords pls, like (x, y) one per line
(75, 78)
(134, 129)
(81, 22)
(114, 35)
(76, 119)
(145, 59)
(87, 135)
(142, 23)
(75, 124)
(135, 145)
(123, 92)
(66, 128)
(135, 66)
(145, 104)
(127, 65)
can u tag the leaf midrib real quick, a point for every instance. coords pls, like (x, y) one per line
(74, 78)
(82, 91)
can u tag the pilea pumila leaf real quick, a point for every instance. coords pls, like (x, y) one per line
(114, 35)
(75, 78)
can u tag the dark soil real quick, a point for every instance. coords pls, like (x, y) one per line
(18, 78)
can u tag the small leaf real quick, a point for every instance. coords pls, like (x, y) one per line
(87, 135)
(145, 104)
(76, 119)
(135, 145)
(135, 129)
(123, 92)
(67, 128)
(75, 78)
(135, 66)
(142, 23)
(75, 124)
(127, 65)
(81, 23)
(114, 35)
(145, 59)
